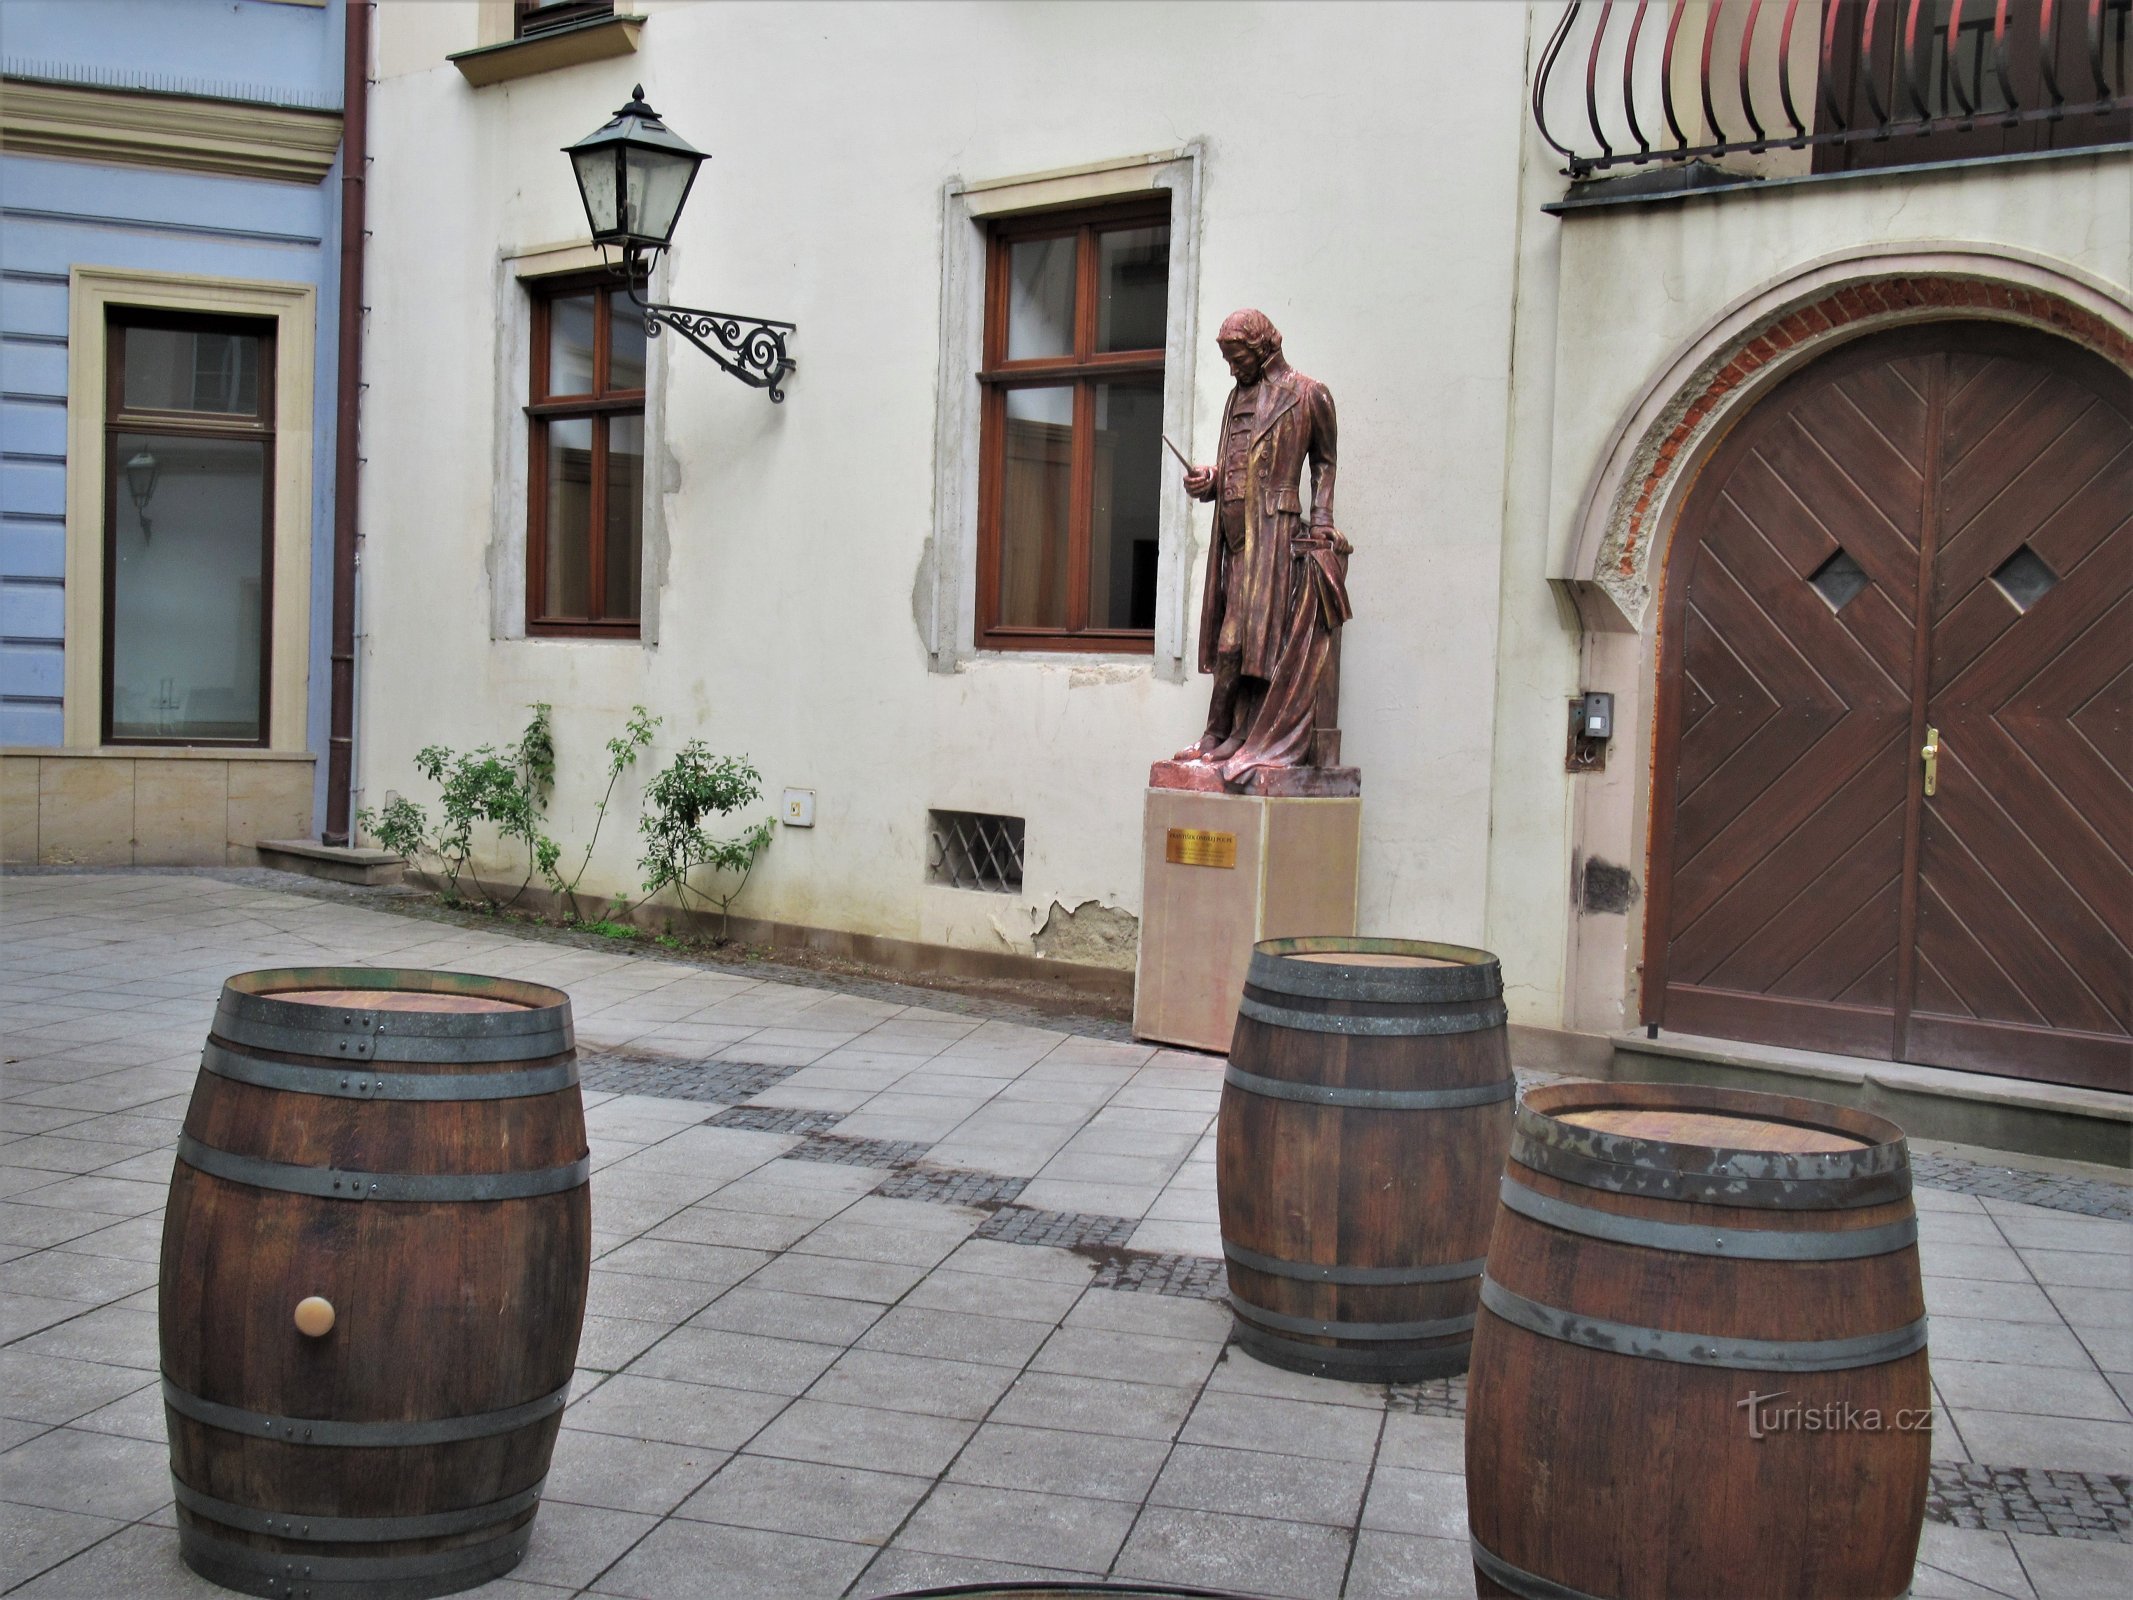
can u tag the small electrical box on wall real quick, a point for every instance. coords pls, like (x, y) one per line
(799, 808)
(1592, 724)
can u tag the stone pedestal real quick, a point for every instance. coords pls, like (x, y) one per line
(1219, 872)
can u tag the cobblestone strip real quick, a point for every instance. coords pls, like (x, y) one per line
(662, 1077)
(1161, 1272)
(2073, 1505)
(775, 1119)
(2091, 1197)
(952, 1186)
(1065, 1230)
(838, 1150)
(1432, 1397)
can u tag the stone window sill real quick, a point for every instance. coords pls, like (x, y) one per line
(597, 40)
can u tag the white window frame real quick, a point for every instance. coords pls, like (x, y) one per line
(947, 587)
(519, 274)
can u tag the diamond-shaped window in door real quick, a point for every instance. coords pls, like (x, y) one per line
(2024, 578)
(1838, 580)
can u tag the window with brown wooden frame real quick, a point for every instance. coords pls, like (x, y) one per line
(188, 528)
(585, 479)
(532, 18)
(1071, 451)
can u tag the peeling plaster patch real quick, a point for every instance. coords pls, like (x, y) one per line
(1606, 888)
(1092, 935)
(1097, 676)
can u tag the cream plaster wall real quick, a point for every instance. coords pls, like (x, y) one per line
(1375, 224)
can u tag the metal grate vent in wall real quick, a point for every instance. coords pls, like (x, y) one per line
(974, 850)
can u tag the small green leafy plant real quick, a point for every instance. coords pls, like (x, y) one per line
(693, 788)
(622, 752)
(506, 789)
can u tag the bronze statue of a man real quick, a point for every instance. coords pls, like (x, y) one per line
(1277, 587)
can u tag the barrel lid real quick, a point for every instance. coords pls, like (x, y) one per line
(393, 1013)
(1717, 1146)
(1386, 971)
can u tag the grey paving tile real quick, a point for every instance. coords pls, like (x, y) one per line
(1160, 1316)
(862, 1436)
(2080, 1269)
(1403, 1500)
(807, 1497)
(1998, 1262)
(98, 1192)
(1291, 1427)
(820, 1319)
(1086, 1405)
(1029, 1299)
(1967, 1564)
(33, 1538)
(749, 1230)
(1302, 1560)
(703, 1561)
(2072, 1569)
(897, 1571)
(626, 1472)
(135, 1238)
(1039, 1530)
(1427, 1444)
(573, 1544)
(38, 1226)
(1994, 1301)
(878, 1281)
(137, 1563)
(110, 1334)
(2041, 1391)
(92, 1474)
(67, 1275)
(671, 1258)
(1100, 1353)
(841, 1237)
(641, 1297)
(635, 1405)
(956, 1336)
(135, 1416)
(2033, 1228)
(612, 1343)
(2069, 1443)
(1239, 1373)
(1400, 1566)
(993, 1259)
(1253, 1483)
(1053, 1461)
(960, 1389)
(698, 1354)
(2023, 1343)
(24, 1314)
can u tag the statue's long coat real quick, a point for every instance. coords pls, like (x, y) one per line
(1295, 423)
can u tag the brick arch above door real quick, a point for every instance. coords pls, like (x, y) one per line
(1617, 540)
(1923, 539)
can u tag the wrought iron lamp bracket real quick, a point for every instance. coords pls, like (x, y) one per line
(751, 348)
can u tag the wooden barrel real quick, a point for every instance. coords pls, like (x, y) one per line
(402, 1156)
(1700, 1367)
(1365, 1111)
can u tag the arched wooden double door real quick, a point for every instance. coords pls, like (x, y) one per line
(1926, 535)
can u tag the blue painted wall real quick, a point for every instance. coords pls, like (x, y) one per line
(55, 214)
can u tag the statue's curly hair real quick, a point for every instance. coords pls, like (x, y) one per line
(1253, 328)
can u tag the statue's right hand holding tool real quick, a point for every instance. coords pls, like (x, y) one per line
(1199, 481)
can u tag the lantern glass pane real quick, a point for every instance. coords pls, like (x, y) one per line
(596, 182)
(658, 180)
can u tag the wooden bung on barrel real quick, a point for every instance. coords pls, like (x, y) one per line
(374, 1274)
(1365, 1112)
(1700, 1367)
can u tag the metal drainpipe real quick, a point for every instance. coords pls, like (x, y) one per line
(355, 158)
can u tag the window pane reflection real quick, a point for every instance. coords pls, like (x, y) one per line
(567, 567)
(1132, 287)
(625, 343)
(570, 344)
(187, 576)
(1123, 507)
(1036, 491)
(173, 369)
(1040, 298)
(625, 513)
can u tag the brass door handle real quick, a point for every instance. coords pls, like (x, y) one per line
(1932, 754)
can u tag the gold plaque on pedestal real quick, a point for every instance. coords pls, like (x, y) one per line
(1199, 847)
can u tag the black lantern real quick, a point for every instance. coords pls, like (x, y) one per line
(142, 471)
(634, 175)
